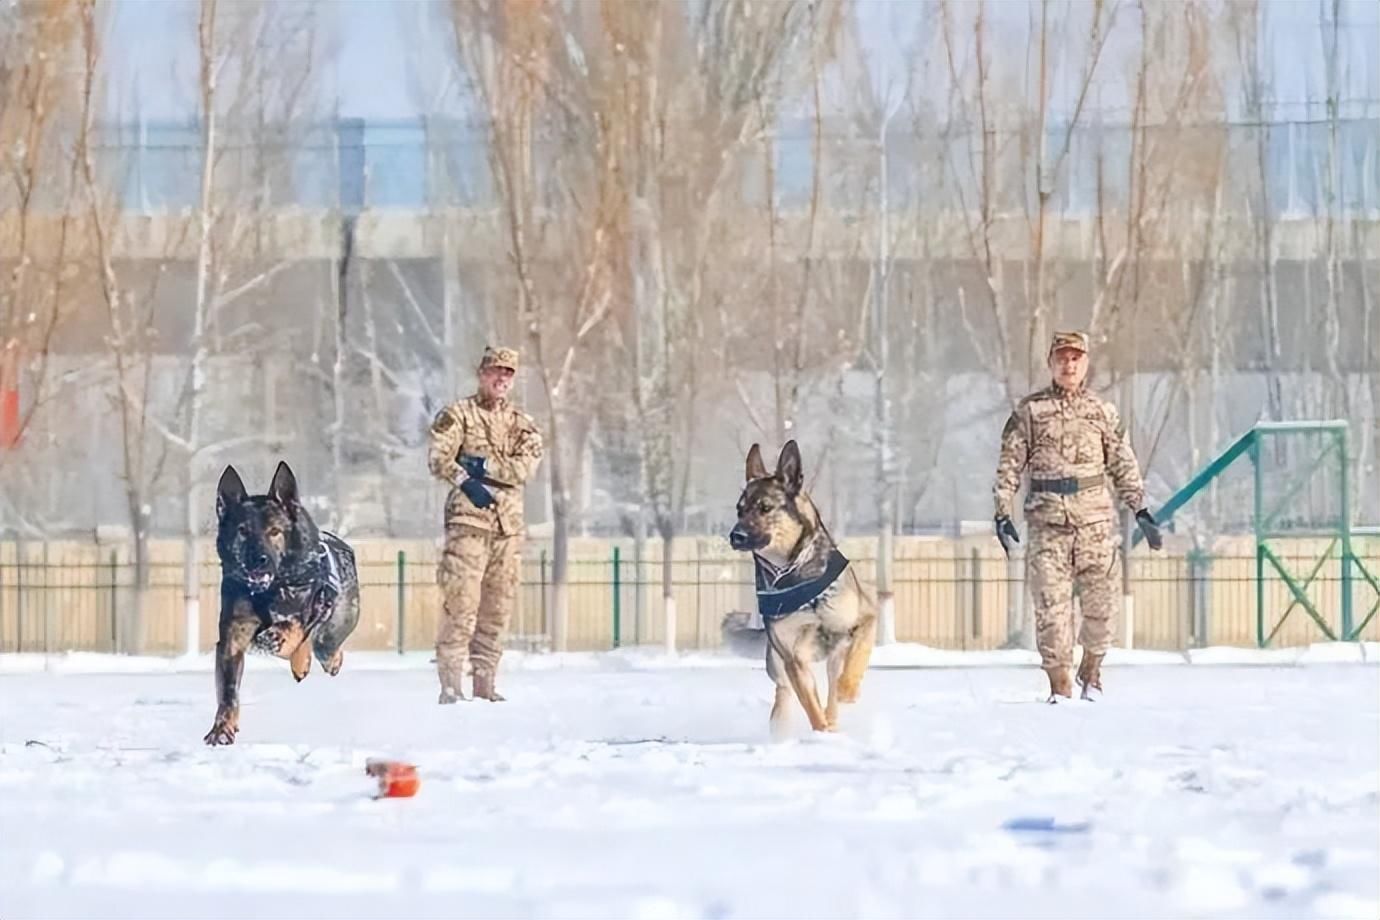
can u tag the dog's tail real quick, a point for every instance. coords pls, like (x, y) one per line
(741, 637)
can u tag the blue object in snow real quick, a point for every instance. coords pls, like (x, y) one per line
(1046, 825)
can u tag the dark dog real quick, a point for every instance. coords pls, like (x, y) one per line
(811, 601)
(286, 589)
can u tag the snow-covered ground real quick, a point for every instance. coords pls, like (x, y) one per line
(615, 786)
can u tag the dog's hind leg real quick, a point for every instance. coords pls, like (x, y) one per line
(780, 721)
(835, 664)
(329, 641)
(331, 656)
(779, 724)
(859, 654)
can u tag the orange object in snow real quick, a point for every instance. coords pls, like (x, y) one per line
(397, 780)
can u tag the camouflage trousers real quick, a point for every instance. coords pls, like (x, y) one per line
(478, 575)
(1063, 557)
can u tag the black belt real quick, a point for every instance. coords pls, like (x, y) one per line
(1069, 486)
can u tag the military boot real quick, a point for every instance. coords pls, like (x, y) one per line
(484, 687)
(452, 675)
(1090, 676)
(1059, 684)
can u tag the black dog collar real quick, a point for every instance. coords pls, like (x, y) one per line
(780, 595)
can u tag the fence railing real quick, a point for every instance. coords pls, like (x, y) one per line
(948, 594)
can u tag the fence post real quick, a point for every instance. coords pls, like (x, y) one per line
(544, 613)
(1198, 587)
(699, 599)
(617, 599)
(976, 624)
(115, 602)
(402, 599)
(19, 595)
(47, 601)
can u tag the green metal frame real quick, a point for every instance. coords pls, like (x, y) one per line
(1267, 527)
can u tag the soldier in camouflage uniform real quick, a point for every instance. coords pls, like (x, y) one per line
(1070, 441)
(486, 450)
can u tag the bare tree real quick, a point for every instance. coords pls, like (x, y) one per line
(235, 47)
(685, 96)
(533, 69)
(1247, 21)
(39, 107)
(131, 338)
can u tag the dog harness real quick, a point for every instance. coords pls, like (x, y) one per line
(783, 593)
(322, 566)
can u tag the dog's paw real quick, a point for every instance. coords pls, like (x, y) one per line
(224, 728)
(332, 667)
(281, 640)
(850, 691)
(301, 662)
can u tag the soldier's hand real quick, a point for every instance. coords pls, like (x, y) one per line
(472, 464)
(1148, 527)
(479, 496)
(459, 478)
(1006, 534)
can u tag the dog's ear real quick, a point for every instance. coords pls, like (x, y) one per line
(283, 488)
(788, 468)
(756, 469)
(230, 492)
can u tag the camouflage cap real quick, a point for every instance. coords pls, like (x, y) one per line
(499, 357)
(1075, 340)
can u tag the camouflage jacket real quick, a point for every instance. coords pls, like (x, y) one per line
(511, 445)
(1056, 434)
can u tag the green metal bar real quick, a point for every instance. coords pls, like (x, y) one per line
(1365, 573)
(1298, 593)
(1345, 524)
(1324, 425)
(1196, 484)
(1297, 483)
(617, 599)
(1317, 567)
(1259, 547)
(402, 599)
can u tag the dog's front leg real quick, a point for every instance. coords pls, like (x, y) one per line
(236, 632)
(793, 645)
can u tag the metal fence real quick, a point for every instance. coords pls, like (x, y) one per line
(959, 597)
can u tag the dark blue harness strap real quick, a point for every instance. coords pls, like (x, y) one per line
(779, 599)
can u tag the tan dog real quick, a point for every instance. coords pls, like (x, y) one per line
(812, 603)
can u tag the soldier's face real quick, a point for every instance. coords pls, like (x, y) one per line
(495, 382)
(1070, 367)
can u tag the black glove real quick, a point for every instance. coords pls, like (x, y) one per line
(472, 464)
(1006, 534)
(1149, 528)
(475, 491)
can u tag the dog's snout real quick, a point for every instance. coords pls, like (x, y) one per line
(737, 538)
